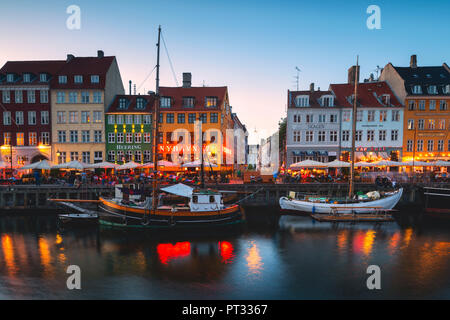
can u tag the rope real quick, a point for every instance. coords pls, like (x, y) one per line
(170, 61)
(250, 195)
(146, 78)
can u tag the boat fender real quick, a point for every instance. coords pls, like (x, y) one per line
(313, 209)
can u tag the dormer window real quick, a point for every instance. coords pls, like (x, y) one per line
(302, 101)
(188, 102)
(43, 77)
(432, 90)
(386, 99)
(26, 77)
(417, 89)
(165, 102)
(78, 79)
(140, 103)
(95, 79)
(446, 89)
(211, 102)
(428, 76)
(62, 79)
(122, 103)
(327, 101)
(10, 77)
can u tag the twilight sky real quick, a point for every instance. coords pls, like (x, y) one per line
(250, 46)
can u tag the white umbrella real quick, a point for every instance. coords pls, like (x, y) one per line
(198, 163)
(4, 165)
(388, 163)
(364, 164)
(337, 164)
(70, 165)
(128, 165)
(102, 165)
(147, 165)
(307, 164)
(418, 163)
(165, 163)
(441, 163)
(41, 165)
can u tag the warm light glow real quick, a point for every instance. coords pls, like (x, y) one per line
(45, 255)
(168, 251)
(8, 254)
(226, 251)
(254, 261)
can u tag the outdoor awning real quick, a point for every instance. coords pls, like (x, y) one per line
(338, 164)
(323, 153)
(179, 190)
(40, 165)
(307, 164)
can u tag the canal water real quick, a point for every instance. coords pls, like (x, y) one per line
(277, 258)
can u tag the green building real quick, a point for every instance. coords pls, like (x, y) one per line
(128, 129)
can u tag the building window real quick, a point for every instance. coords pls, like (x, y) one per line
(442, 105)
(31, 117)
(440, 146)
(309, 137)
(74, 156)
(420, 124)
(138, 156)
(322, 118)
(327, 101)
(86, 157)
(111, 119)
(191, 117)
(382, 135)
(26, 77)
(333, 118)
(111, 156)
(410, 124)
(97, 96)
(20, 140)
(84, 96)
(85, 116)
(203, 117)
(73, 136)
(43, 96)
(31, 98)
(297, 136)
(302, 101)
(62, 79)
(45, 138)
(120, 137)
(165, 102)
(7, 118)
(73, 116)
(129, 156)
(358, 135)
(321, 136)
(60, 97)
(370, 115)
(430, 145)
(61, 117)
(129, 137)
(147, 137)
(333, 136)
(137, 119)
(111, 137)
(394, 135)
(6, 96)
(32, 138)
(346, 116)
(213, 117)
(62, 157)
(19, 117)
(432, 105)
(359, 116)
(98, 156)
(95, 79)
(417, 89)
(421, 105)
(383, 116)
(73, 97)
(181, 118)
(120, 156)
(345, 135)
(122, 103)
(43, 77)
(395, 115)
(409, 146)
(441, 124)
(411, 105)
(119, 119)
(85, 136)
(137, 137)
(18, 98)
(128, 119)
(161, 118)
(170, 118)
(419, 145)
(309, 118)
(147, 156)
(370, 135)
(78, 79)
(97, 136)
(61, 136)
(211, 102)
(188, 102)
(431, 124)
(147, 119)
(97, 116)
(432, 89)
(140, 103)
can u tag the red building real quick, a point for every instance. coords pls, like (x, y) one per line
(25, 123)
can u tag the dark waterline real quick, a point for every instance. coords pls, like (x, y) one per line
(278, 258)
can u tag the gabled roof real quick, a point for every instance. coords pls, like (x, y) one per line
(149, 103)
(314, 97)
(84, 66)
(199, 93)
(34, 67)
(424, 76)
(369, 94)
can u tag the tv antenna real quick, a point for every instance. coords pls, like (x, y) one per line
(377, 70)
(297, 77)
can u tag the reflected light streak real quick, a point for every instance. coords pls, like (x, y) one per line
(342, 239)
(393, 242)
(226, 251)
(254, 261)
(8, 253)
(45, 255)
(168, 251)
(368, 242)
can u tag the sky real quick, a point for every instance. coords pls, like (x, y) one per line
(250, 46)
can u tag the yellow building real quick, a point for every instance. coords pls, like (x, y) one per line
(80, 93)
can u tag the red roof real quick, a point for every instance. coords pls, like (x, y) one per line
(314, 97)
(369, 94)
(131, 103)
(34, 67)
(84, 66)
(199, 93)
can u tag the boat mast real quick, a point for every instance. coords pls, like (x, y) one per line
(156, 131)
(352, 152)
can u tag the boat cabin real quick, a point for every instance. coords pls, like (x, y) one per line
(206, 201)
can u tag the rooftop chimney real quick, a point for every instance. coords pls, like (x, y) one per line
(311, 87)
(352, 71)
(413, 61)
(100, 54)
(187, 79)
(70, 57)
(130, 86)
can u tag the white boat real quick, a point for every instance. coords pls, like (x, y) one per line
(307, 206)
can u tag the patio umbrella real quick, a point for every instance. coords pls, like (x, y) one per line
(364, 164)
(388, 163)
(441, 163)
(40, 165)
(337, 164)
(147, 165)
(70, 165)
(165, 163)
(418, 163)
(307, 164)
(197, 163)
(4, 165)
(102, 165)
(128, 165)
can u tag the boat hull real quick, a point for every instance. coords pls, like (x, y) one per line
(113, 214)
(300, 206)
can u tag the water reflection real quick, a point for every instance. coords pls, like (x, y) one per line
(254, 261)
(8, 254)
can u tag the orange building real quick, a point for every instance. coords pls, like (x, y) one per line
(180, 107)
(426, 95)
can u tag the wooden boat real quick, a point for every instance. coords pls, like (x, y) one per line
(75, 214)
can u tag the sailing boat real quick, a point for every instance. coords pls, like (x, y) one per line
(201, 207)
(372, 203)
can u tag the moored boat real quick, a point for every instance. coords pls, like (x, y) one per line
(437, 202)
